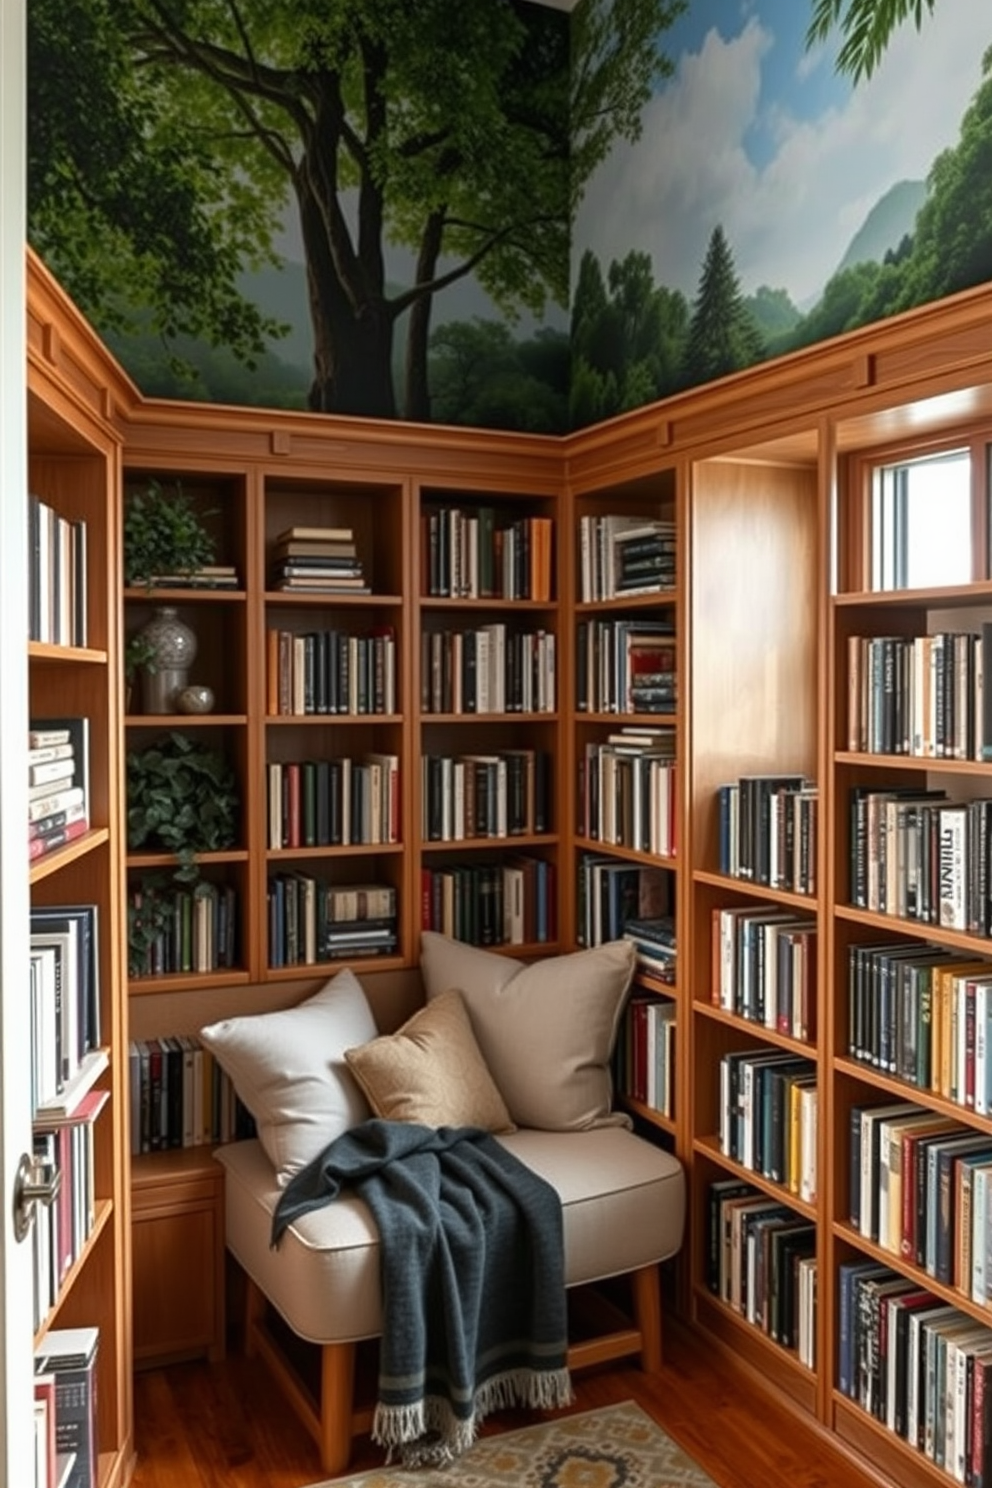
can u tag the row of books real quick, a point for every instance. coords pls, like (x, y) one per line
(761, 1261)
(311, 921)
(918, 1365)
(180, 1097)
(57, 562)
(919, 1187)
(334, 802)
(922, 1013)
(768, 1116)
(644, 1066)
(507, 903)
(58, 783)
(764, 967)
(506, 794)
(768, 831)
(627, 790)
(65, 1421)
(65, 1146)
(918, 855)
(610, 893)
(64, 991)
(330, 671)
(921, 695)
(654, 946)
(316, 560)
(205, 576)
(625, 666)
(479, 553)
(195, 930)
(625, 555)
(488, 670)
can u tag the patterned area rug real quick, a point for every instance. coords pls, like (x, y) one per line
(617, 1447)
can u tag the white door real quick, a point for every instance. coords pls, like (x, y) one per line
(16, 1392)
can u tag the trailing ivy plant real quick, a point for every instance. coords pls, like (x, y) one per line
(182, 798)
(164, 533)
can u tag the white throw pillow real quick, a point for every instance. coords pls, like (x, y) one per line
(546, 1030)
(289, 1069)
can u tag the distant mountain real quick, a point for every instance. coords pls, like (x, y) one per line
(888, 222)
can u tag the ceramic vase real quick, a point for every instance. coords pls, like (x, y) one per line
(174, 645)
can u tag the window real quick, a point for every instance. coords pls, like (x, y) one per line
(921, 523)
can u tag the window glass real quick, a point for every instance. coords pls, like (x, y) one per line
(921, 523)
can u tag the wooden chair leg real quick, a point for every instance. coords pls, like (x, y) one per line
(646, 1285)
(337, 1388)
(254, 1313)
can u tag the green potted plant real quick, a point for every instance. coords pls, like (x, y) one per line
(139, 655)
(182, 798)
(164, 534)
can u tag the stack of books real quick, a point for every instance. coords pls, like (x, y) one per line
(65, 1384)
(653, 940)
(317, 560)
(207, 576)
(58, 783)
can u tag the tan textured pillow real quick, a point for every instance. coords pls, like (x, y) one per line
(430, 1071)
(546, 1031)
(288, 1067)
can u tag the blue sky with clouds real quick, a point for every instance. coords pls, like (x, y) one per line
(754, 132)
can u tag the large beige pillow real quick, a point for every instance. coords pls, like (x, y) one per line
(546, 1030)
(431, 1071)
(289, 1069)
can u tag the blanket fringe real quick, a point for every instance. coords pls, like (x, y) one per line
(429, 1434)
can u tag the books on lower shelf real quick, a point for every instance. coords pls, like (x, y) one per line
(611, 892)
(645, 1057)
(330, 671)
(626, 666)
(768, 831)
(768, 1116)
(761, 1262)
(180, 1096)
(311, 921)
(764, 967)
(69, 1356)
(64, 1143)
(469, 796)
(919, 1365)
(181, 930)
(489, 669)
(58, 782)
(334, 802)
(507, 902)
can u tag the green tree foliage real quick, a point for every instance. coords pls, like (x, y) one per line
(866, 25)
(481, 376)
(723, 336)
(168, 136)
(627, 338)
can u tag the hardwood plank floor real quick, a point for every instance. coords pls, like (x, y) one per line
(200, 1425)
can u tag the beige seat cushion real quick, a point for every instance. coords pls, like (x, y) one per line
(623, 1206)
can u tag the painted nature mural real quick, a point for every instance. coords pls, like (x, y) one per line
(353, 207)
(371, 209)
(793, 179)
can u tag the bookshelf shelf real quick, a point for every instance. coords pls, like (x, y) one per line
(44, 651)
(183, 721)
(60, 858)
(181, 981)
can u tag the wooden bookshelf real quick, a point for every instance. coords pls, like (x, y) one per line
(74, 460)
(766, 477)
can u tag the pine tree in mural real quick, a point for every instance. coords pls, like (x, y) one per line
(722, 337)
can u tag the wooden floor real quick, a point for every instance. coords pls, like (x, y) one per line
(200, 1425)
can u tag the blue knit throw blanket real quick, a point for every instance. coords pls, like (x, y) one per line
(473, 1291)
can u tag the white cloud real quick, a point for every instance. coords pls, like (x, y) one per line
(789, 221)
